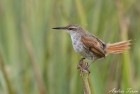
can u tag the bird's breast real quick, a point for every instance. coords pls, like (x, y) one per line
(76, 42)
(80, 48)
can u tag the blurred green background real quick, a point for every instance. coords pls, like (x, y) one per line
(35, 59)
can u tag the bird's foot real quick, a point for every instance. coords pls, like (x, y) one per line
(83, 66)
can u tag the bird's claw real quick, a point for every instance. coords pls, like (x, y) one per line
(83, 66)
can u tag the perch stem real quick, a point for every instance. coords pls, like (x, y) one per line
(84, 74)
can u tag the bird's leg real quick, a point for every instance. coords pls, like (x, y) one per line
(92, 62)
(83, 66)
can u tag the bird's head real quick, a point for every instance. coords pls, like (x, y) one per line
(70, 29)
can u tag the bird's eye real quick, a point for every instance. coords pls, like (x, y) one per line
(70, 28)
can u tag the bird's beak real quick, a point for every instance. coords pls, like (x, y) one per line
(60, 28)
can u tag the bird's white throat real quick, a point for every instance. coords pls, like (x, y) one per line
(76, 41)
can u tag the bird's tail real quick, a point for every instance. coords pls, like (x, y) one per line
(118, 47)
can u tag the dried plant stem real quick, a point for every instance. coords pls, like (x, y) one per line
(84, 74)
(36, 69)
(7, 81)
(85, 82)
(124, 25)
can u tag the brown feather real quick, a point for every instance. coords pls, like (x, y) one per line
(118, 47)
(94, 45)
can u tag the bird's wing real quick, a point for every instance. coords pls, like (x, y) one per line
(94, 45)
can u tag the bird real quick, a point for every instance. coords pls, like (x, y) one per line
(90, 46)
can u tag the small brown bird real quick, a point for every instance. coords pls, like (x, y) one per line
(91, 47)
